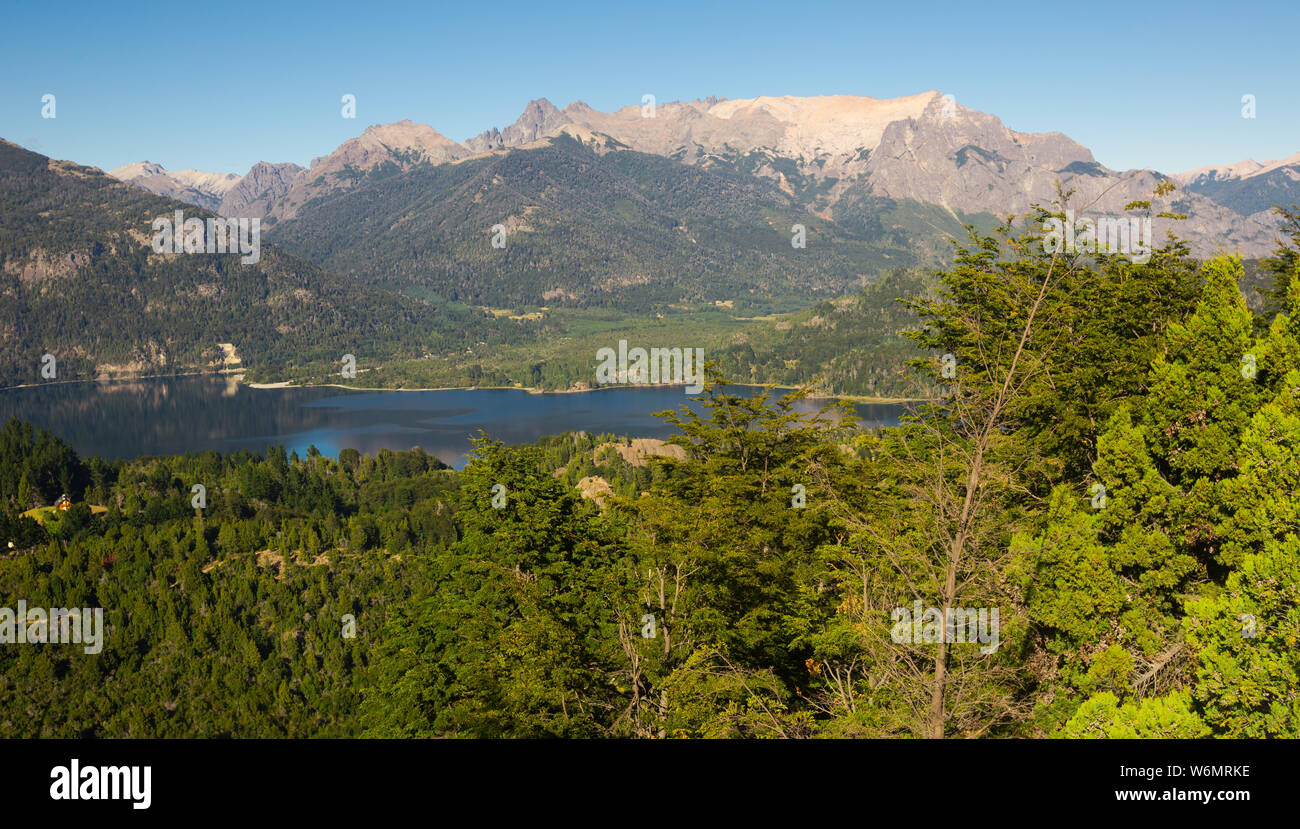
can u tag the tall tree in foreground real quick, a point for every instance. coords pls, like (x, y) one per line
(1025, 373)
(936, 543)
(1177, 579)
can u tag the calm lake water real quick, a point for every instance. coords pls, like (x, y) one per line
(193, 414)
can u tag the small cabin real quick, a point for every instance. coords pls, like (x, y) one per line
(64, 503)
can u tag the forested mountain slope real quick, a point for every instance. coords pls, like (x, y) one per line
(79, 280)
(587, 224)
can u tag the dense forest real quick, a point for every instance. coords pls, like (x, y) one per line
(79, 281)
(855, 346)
(1109, 461)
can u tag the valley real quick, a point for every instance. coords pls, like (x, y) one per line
(905, 392)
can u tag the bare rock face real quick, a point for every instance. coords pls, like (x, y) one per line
(638, 450)
(140, 169)
(539, 118)
(1222, 172)
(921, 147)
(830, 127)
(1248, 188)
(263, 186)
(384, 142)
(799, 128)
(968, 161)
(596, 488)
(194, 187)
(404, 144)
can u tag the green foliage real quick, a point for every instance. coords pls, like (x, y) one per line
(747, 588)
(81, 281)
(225, 624)
(1245, 639)
(618, 229)
(1102, 716)
(1284, 265)
(1194, 534)
(37, 466)
(1102, 325)
(850, 346)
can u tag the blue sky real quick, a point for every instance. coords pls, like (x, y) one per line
(219, 86)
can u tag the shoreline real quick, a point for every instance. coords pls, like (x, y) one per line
(289, 384)
(127, 379)
(854, 398)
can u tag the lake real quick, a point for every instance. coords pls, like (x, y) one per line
(172, 416)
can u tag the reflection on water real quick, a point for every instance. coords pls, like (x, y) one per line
(194, 414)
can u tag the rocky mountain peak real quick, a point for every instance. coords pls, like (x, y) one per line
(259, 190)
(138, 169)
(1247, 187)
(539, 118)
(402, 143)
(193, 186)
(926, 148)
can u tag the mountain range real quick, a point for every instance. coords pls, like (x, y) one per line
(1248, 187)
(226, 194)
(838, 156)
(409, 248)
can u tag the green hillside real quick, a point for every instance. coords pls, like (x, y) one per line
(586, 227)
(79, 281)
